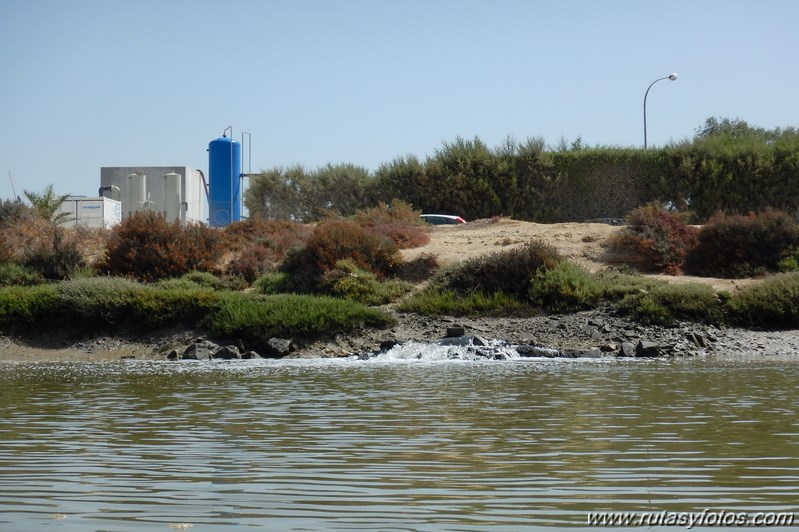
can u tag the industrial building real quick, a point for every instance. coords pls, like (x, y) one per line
(182, 193)
(90, 212)
(178, 192)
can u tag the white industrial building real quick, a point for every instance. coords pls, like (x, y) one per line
(179, 192)
(91, 212)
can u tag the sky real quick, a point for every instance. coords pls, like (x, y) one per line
(92, 83)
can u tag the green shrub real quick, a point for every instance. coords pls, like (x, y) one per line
(617, 285)
(668, 304)
(437, 302)
(660, 238)
(348, 281)
(194, 280)
(148, 248)
(736, 246)
(99, 300)
(154, 307)
(771, 304)
(272, 283)
(257, 318)
(509, 271)
(28, 306)
(566, 287)
(13, 274)
(334, 240)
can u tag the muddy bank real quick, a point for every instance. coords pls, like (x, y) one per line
(585, 331)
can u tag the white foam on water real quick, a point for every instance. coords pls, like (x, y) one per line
(492, 350)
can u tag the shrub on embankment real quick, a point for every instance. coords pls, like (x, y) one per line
(535, 279)
(91, 305)
(728, 246)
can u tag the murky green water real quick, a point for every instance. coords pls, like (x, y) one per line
(344, 445)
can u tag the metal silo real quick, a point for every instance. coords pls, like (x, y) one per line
(137, 192)
(172, 199)
(224, 171)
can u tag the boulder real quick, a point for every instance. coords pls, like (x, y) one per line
(627, 349)
(647, 349)
(278, 348)
(199, 350)
(228, 352)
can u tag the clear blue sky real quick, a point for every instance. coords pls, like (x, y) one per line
(91, 83)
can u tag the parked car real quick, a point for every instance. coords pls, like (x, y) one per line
(443, 219)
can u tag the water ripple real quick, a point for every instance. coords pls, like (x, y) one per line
(434, 445)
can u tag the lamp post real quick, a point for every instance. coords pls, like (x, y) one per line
(671, 77)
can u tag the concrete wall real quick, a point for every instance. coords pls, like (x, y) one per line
(194, 204)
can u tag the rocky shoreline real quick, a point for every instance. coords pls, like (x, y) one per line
(584, 334)
(589, 333)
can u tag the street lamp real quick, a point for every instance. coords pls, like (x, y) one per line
(671, 77)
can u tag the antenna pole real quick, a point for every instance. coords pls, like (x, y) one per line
(12, 184)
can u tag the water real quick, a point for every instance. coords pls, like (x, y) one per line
(392, 443)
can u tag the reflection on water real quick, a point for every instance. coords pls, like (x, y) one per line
(326, 444)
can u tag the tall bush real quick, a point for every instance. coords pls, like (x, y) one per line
(661, 239)
(737, 245)
(334, 240)
(510, 272)
(147, 247)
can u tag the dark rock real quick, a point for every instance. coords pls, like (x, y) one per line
(596, 335)
(173, 355)
(228, 352)
(647, 349)
(460, 341)
(386, 345)
(199, 350)
(278, 348)
(455, 331)
(249, 355)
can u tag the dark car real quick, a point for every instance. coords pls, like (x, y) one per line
(443, 219)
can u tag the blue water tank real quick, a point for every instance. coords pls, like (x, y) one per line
(224, 187)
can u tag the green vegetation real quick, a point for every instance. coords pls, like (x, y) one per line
(275, 274)
(560, 286)
(771, 304)
(728, 166)
(255, 318)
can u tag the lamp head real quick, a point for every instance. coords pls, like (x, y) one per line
(672, 77)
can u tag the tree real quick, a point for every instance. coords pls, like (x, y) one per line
(47, 205)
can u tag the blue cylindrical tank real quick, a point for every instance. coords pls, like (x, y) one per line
(224, 187)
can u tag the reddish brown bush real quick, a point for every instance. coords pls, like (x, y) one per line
(253, 261)
(660, 238)
(398, 221)
(259, 246)
(55, 254)
(278, 235)
(334, 240)
(737, 246)
(147, 247)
